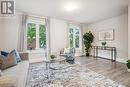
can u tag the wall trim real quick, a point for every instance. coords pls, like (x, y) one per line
(121, 60)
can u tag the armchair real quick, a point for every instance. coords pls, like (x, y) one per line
(69, 54)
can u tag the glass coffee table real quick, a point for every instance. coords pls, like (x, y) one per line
(50, 62)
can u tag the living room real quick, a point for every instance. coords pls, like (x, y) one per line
(65, 43)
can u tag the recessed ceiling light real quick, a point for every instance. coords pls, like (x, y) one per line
(70, 6)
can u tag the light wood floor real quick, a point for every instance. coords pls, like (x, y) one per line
(115, 71)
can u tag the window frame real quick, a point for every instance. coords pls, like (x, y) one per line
(38, 21)
(39, 35)
(74, 27)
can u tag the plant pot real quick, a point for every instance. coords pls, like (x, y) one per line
(128, 70)
(87, 54)
(128, 65)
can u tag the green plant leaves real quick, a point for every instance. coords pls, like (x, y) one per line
(88, 39)
(128, 61)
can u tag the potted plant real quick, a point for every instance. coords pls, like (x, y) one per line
(128, 65)
(52, 56)
(88, 39)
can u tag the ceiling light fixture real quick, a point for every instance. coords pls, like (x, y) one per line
(70, 6)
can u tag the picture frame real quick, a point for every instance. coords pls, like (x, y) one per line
(106, 35)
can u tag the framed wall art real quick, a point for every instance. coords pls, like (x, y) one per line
(106, 35)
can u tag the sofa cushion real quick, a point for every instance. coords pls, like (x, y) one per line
(6, 62)
(19, 71)
(17, 55)
(24, 55)
(4, 53)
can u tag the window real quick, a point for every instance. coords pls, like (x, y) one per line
(36, 34)
(77, 38)
(42, 36)
(74, 36)
(31, 36)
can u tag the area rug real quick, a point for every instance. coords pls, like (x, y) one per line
(66, 75)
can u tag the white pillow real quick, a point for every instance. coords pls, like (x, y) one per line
(66, 50)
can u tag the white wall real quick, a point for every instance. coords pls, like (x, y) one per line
(9, 32)
(58, 35)
(129, 31)
(120, 26)
(1, 34)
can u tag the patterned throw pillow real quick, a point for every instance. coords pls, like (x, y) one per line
(4, 53)
(9, 61)
(17, 55)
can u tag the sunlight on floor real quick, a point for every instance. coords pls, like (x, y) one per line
(34, 60)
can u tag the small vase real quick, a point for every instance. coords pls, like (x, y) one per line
(104, 44)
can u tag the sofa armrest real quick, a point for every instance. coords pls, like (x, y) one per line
(8, 81)
(24, 55)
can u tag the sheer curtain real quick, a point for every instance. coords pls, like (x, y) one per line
(22, 42)
(48, 49)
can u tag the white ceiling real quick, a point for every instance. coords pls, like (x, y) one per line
(87, 11)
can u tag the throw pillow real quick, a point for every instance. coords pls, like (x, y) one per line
(17, 55)
(66, 50)
(4, 53)
(62, 51)
(9, 61)
(1, 60)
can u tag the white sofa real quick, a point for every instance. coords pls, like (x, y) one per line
(18, 72)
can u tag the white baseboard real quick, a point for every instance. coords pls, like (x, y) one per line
(121, 60)
(118, 59)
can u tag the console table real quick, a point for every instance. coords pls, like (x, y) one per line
(111, 49)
